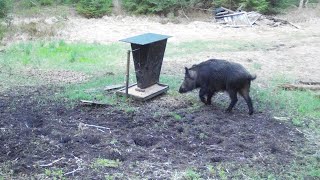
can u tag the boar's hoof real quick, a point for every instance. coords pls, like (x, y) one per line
(250, 112)
(228, 110)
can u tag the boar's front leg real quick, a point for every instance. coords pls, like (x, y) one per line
(202, 93)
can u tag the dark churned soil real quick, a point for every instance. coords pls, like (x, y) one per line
(150, 143)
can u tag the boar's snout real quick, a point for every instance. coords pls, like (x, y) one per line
(182, 90)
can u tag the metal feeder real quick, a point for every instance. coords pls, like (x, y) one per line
(147, 51)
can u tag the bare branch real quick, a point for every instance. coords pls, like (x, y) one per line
(50, 164)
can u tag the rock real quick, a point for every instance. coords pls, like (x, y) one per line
(51, 20)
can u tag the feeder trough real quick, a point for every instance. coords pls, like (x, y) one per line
(147, 51)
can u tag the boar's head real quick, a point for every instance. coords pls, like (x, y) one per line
(189, 82)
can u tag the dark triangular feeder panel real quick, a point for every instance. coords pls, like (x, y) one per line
(148, 52)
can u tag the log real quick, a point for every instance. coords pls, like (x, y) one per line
(92, 103)
(227, 9)
(113, 87)
(309, 82)
(301, 87)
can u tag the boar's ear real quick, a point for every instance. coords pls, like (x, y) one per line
(187, 72)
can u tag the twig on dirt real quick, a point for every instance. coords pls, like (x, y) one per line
(91, 125)
(72, 172)
(50, 164)
(227, 170)
(92, 103)
(101, 130)
(299, 131)
(214, 147)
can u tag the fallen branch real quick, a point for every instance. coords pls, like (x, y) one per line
(91, 103)
(90, 125)
(50, 164)
(282, 21)
(113, 87)
(309, 83)
(301, 87)
(72, 172)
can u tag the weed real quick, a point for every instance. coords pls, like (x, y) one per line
(73, 57)
(54, 174)
(190, 174)
(222, 173)
(125, 105)
(203, 136)
(176, 116)
(211, 170)
(297, 121)
(100, 163)
(109, 177)
(114, 142)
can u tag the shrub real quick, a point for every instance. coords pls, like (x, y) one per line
(164, 6)
(94, 8)
(45, 2)
(4, 8)
(256, 5)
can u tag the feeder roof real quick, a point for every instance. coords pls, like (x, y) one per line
(145, 39)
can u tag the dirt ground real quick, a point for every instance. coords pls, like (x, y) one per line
(38, 133)
(148, 142)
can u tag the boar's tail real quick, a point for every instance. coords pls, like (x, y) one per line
(252, 77)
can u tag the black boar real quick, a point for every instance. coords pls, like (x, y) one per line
(216, 75)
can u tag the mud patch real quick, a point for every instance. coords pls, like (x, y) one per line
(144, 145)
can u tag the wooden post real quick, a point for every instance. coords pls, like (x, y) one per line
(127, 74)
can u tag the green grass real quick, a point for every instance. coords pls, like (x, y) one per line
(304, 168)
(101, 163)
(92, 90)
(57, 55)
(302, 107)
(191, 174)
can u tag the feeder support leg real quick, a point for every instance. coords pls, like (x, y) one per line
(127, 74)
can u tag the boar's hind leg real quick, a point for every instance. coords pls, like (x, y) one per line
(210, 94)
(245, 94)
(202, 93)
(234, 99)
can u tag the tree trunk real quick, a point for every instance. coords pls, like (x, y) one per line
(301, 4)
(117, 7)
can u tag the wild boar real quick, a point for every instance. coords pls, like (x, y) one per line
(216, 75)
